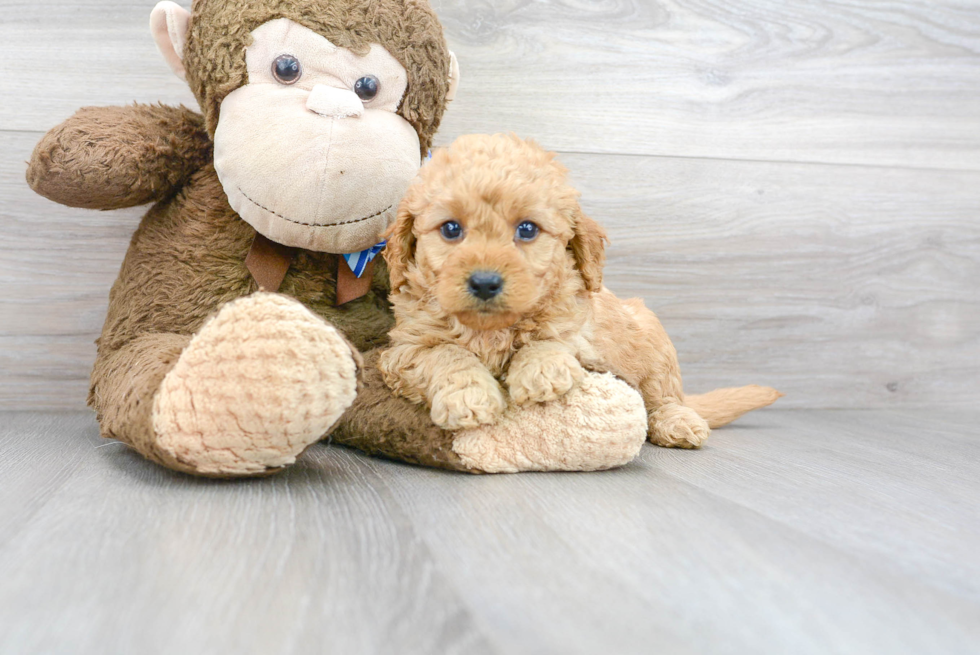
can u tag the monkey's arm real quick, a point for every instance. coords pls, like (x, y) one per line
(114, 157)
(379, 423)
(600, 424)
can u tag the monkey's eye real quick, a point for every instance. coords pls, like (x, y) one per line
(451, 231)
(527, 231)
(367, 87)
(286, 69)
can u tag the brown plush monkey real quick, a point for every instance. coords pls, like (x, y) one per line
(316, 114)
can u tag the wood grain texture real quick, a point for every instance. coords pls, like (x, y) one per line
(81, 53)
(846, 81)
(653, 558)
(796, 531)
(902, 483)
(841, 286)
(115, 556)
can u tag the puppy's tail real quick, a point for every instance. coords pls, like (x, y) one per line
(722, 406)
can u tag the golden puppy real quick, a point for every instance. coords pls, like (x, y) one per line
(496, 274)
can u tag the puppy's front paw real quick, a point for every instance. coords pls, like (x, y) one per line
(543, 377)
(468, 404)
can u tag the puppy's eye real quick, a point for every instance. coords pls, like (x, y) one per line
(527, 231)
(367, 87)
(451, 230)
(286, 69)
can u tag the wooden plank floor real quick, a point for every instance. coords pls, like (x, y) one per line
(793, 187)
(794, 531)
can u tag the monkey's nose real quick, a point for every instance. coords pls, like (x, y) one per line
(485, 285)
(332, 102)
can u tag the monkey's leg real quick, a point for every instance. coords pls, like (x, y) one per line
(600, 424)
(259, 383)
(113, 157)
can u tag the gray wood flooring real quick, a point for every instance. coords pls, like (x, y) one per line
(794, 187)
(795, 531)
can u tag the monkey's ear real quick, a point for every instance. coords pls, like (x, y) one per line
(588, 246)
(169, 23)
(400, 250)
(453, 76)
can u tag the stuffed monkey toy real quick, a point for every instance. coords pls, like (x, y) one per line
(245, 321)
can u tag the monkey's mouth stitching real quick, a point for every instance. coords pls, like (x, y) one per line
(314, 225)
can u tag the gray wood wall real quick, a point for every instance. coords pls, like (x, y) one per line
(793, 187)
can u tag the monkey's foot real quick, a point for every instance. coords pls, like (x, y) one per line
(600, 424)
(677, 426)
(260, 382)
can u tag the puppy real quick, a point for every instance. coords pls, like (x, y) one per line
(496, 277)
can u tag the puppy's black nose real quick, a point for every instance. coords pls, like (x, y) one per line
(486, 285)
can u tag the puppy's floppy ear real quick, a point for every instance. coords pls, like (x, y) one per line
(401, 244)
(588, 246)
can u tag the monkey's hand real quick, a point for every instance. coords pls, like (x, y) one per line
(114, 157)
(599, 424)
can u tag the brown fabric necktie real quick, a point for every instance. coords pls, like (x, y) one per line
(349, 286)
(268, 262)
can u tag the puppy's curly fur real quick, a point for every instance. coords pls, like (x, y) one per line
(550, 319)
